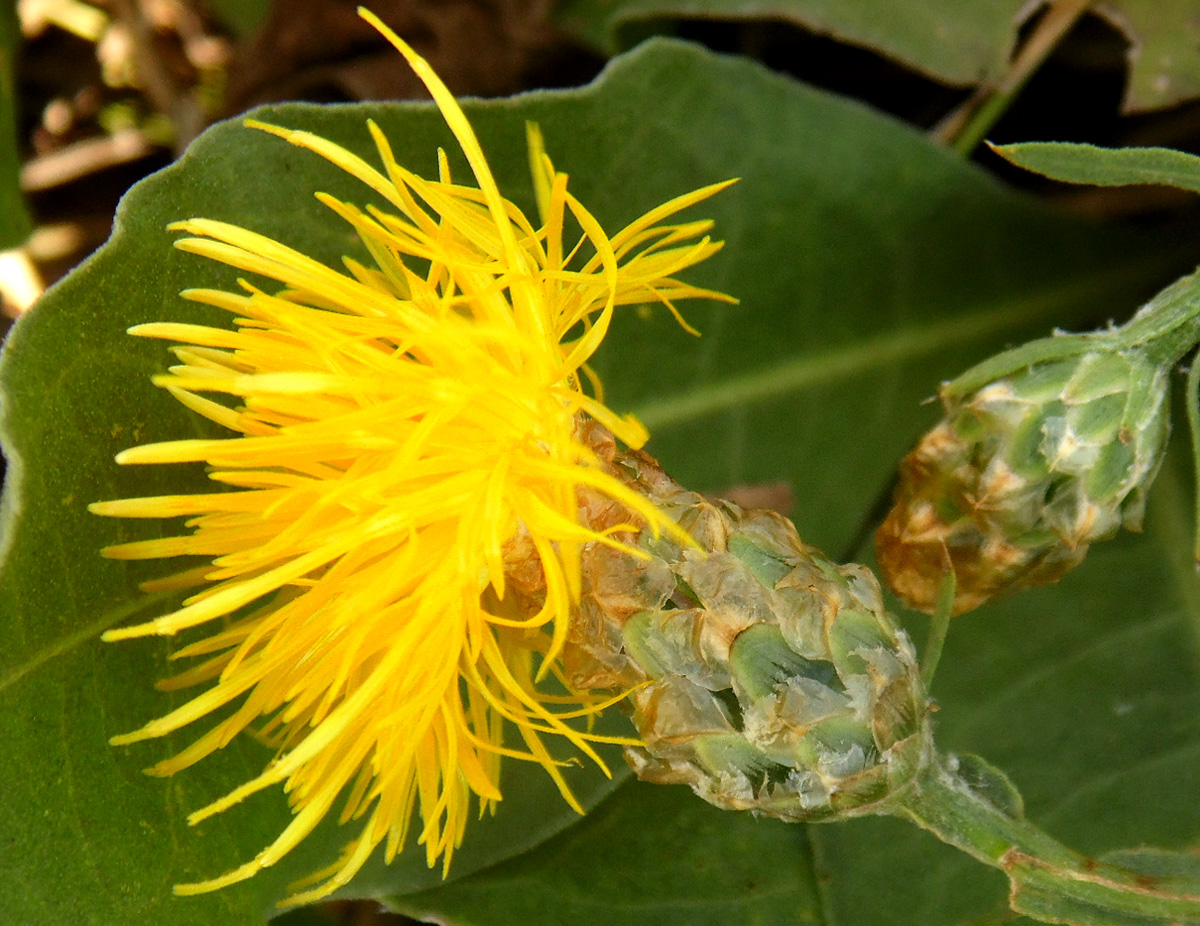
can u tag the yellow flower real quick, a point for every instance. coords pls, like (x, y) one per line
(409, 439)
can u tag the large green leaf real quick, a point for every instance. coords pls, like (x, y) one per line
(959, 42)
(870, 264)
(724, 869)
(14, 221)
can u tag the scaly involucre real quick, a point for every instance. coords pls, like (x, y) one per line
(409, 445)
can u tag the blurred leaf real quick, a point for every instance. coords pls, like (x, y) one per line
(1164, 50)
(1106, 166)
(870, 263)
(14, 220)
(957, 43)
(241, 16)
(319, 915)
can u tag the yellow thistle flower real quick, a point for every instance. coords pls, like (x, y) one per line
(409, 449)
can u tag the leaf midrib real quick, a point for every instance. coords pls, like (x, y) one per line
(77, 637)
(885, 348)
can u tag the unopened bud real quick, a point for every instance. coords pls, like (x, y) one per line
(1023, 474)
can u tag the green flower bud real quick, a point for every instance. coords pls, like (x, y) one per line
(764, 676)
(1023, 474)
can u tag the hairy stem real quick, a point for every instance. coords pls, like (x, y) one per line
(1048, 881)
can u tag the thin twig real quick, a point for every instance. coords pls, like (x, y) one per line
(967, 126)
(939, 625)
(20, 282)
(174, 101)
(83, 158)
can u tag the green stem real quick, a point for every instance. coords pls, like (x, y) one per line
(1048, 881)
(1166, 328)
(967, 129)
(939, 626)
(1192, 407)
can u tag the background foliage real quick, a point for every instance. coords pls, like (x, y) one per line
(871, 263)
(14, 223)
(958, 43)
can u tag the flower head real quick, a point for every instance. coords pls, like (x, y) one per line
(395, 554)
(1024, 473)
(764, 676)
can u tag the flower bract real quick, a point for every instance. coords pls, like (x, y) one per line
(1023, 475)
(392, 552)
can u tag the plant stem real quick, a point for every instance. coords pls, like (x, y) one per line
(1167, 327)
(1169, 324)
(966, 127)
(1192, 407)
(939, 626)
(1048, 881)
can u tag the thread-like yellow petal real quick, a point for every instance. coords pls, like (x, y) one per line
(392, 570)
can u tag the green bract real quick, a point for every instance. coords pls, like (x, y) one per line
(1043, 450)
(765, 677)
(1023, 475)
